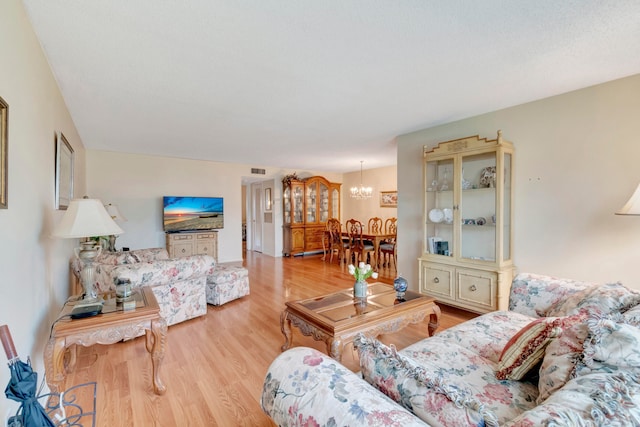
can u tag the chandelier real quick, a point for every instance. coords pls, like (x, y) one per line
(361, 192)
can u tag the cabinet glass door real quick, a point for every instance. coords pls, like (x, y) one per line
(478, 207)
(439, 238)
(287, 205)
(298, 204)
(312, 208)
(324, 202)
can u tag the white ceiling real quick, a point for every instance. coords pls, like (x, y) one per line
(316, 85)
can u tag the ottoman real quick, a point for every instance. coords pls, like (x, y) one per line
(226, 283)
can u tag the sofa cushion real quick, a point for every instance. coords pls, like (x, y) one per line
(611, 346)
(526, 348)
(561, 355)
(424, 393)
(601, 300)
(534, 294)
(596, 399)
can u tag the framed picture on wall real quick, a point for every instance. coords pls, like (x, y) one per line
(4, 162)
(389, 199)
(64, 172)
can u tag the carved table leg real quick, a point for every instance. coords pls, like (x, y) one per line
(54, 364)
(334, 348)
(434, 320)
(155, 342)
(285, 327)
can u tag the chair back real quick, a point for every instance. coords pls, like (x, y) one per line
(374, 225)
(335, 230)
(354, 230)
(391, 226)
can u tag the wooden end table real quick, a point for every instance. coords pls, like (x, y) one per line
(112, 326)
(337, 318)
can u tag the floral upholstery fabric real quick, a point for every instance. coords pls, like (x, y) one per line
(227, 283)
(596, 399)
(561, 356)
(601, 300)
(429, 394)
(590, 374)
(304, 387)
(178, 284)
(535, 294)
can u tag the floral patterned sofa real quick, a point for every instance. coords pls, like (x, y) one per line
(178, 283)
(566, 353)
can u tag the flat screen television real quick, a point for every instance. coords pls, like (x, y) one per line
(192, 213)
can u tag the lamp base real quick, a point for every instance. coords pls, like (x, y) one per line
(87, 253)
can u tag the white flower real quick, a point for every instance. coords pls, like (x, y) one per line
(364, 271)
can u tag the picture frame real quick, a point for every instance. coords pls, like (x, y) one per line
(267, 199)
(388, 199)
(4, 152)
(64, 172)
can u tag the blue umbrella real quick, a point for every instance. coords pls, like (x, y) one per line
(22, 385)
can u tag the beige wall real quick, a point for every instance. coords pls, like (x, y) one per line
(34, 266)
(576, 163)
(380, 179)
(136, 183)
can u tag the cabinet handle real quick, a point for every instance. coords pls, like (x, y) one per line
(183, 250)
(473, 288)
(205, 249)
(436, 280)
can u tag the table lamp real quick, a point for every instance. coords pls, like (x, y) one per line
(86, 218)
(632, 207)
(117, 216)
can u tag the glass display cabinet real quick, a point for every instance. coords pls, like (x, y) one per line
(468, 223)
(308, 204)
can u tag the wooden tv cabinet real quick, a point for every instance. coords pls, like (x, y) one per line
(192, 243)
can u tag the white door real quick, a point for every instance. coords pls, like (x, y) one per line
(256, 217)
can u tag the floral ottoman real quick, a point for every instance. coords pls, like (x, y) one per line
(227, 283)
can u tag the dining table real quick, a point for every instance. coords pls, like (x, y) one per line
(375, 238)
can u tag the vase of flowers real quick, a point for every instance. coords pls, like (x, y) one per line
(361, 273)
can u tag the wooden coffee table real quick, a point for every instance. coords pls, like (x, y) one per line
(112, 326)
(337, 318)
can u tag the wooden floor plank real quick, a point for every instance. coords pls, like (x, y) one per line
(215, 365)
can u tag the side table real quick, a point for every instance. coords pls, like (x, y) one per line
(112, 326)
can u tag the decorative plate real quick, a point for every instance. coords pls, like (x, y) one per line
(448, 215)
(436, 215)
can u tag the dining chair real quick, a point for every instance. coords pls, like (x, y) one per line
(388, 247)
(336, 243)
(359, 250)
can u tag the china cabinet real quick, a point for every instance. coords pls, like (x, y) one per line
(308, 204)
(467, 258)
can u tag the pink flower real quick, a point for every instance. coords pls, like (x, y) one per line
(312, 360)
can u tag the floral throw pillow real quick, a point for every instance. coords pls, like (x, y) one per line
(526, 348)
(599, 300)
(611, 346)
(411, 386)
(561, 356)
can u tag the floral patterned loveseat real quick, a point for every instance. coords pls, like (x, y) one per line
(179, 284)
(567, 353)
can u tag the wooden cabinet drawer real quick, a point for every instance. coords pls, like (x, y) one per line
(437, 281)
(477, 288)
(181, 249)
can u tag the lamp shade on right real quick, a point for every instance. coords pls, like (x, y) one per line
(632, 207)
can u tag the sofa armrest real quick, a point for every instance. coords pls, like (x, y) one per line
(306, 387)
(165, 271)
(534, 294)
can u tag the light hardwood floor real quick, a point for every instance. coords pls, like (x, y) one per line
(214, 365)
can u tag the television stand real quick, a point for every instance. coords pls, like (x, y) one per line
(192, 243)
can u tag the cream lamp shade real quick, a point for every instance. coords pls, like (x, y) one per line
(86, 218)
(632, 207)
